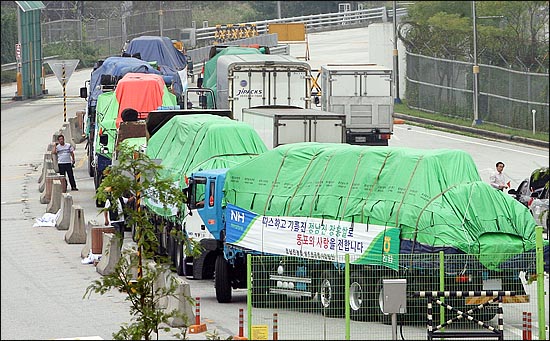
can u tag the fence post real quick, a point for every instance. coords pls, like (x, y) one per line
(541, 316)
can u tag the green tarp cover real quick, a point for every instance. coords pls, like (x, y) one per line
(435, 197)
(189, 143)
(136, 142)
(106, 115)
(210, 67)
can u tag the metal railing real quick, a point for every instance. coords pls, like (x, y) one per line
(13, 66)
(316, 22)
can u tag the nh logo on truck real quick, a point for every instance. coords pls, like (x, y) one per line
(237, 216)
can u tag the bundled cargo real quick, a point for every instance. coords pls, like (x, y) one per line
(394, 211)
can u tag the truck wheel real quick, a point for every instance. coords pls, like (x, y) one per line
(161, 237)
(91, 170)
(331, 294)
(222, 281)
(179, 258)
(170, 245)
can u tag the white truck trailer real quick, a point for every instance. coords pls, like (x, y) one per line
(281, 125)
(252, 80)
(362, 92)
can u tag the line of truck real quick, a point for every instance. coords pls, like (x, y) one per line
(256, 155)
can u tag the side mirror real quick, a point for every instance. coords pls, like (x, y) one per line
(512, 191)
(83, 92)
(104, 139)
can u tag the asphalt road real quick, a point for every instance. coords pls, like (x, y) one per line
(43, 281)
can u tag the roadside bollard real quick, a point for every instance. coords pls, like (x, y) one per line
(529, 335)
(241, 326)
(198, 327)
(275, 327)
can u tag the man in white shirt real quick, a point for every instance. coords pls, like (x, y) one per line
(65, 159)
(497, 179)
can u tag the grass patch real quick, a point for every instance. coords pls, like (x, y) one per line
(403, 109)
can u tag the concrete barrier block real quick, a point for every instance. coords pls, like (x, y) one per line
(45, 164)
(77, 231)
(129, 249)
(47, 171)
(110, 254)
(180, 302)
(76, 131)
(55, 164)
(65, 215)
(55, 201)
(88, 246)
(47, 193)
(162, 281)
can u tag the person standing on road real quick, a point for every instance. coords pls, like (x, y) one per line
(65, 159)
(497, 179)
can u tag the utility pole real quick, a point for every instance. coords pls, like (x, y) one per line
(395, 56)
(475, 71)
(279, 9)
(161, 17)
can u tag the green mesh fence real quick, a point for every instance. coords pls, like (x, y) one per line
(312, 301)
(506, 97)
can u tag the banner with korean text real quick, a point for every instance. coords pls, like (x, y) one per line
(313, 238)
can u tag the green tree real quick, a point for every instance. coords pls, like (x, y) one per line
(509, 33)
(136, 173)
(9, 33)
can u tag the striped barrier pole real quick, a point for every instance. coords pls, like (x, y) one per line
(241, 322)
(241, 326)
(524, 329)
(529, 335)
(198, 327)
(198, 310)
(275, 327)
(64, 94)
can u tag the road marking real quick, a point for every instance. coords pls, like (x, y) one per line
(476, 143)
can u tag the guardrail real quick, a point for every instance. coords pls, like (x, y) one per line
(313, 23)
(13, 66)
(316, 22)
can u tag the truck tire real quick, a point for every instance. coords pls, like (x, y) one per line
(170, 245)
(179, 257)
(222, 280)
(91, 169)
(331, 293)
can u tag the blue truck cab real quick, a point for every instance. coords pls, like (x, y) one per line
(205, 194)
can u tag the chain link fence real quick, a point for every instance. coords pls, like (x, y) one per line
(506, 97)
(110, 33)
(308, 298)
